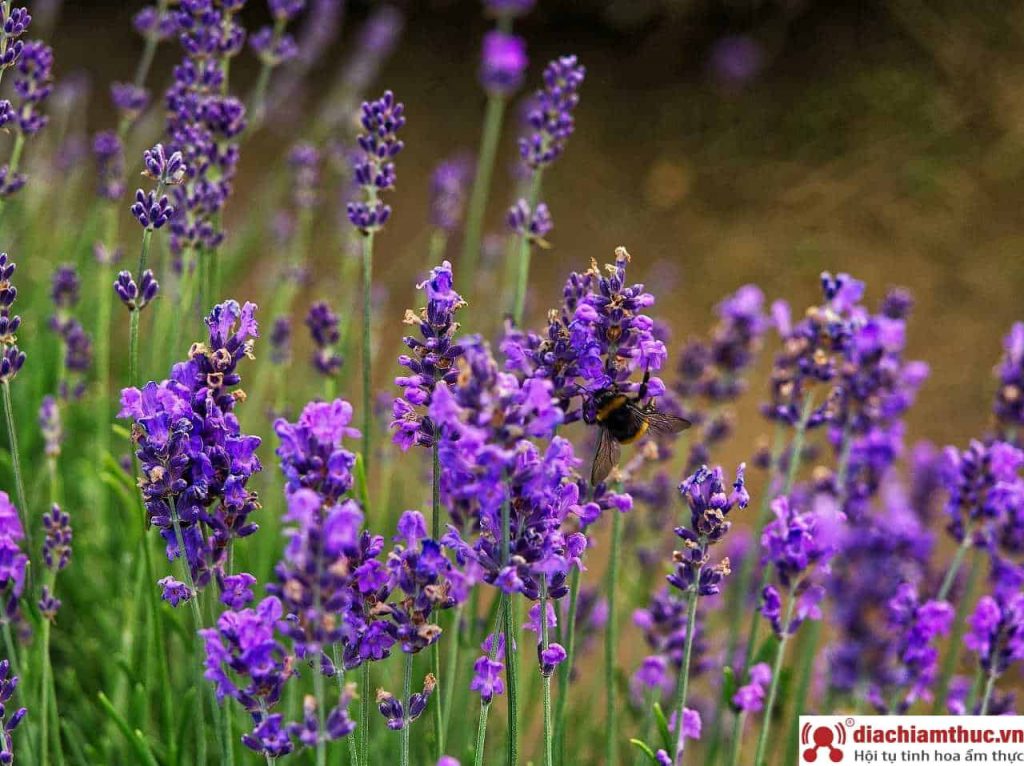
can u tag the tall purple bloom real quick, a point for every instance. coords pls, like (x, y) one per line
(502, 63)
(11, 357)
(600, 337)
(710, 503)
(13, 562)
(985, 495)
(1009, 404)
(323, 329)
(551, 113)
(448, 192)
(796, 544)
(196, 461)
(996, 631)
(331, 566)
(74, 339)
(912, 668)
(8, 685)
(246, 661)
(432, 359)
(373, 166)
(33, 83)
(813, 351)
(204, 121)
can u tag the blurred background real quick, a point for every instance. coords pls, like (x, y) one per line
(723, 142)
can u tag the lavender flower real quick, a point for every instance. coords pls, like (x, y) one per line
(204, 122)
(448, 192)
(136, 296)
(985, 485)
(918, 624)
(502, 63)
(551, 114)
(399, 715)
(432, 360)
(109, 152)
(304, 163)
(794, 544)
(323, 328)
(173, 591)
(373, 168)
(50, 427)
(996, 631)
(13, 562)
(487, 670)
(56, 539)
(599, 338)
(153, 209)
(665, 626)
(419, 569)
(11, 357)
(813, 350)
(533, 224)
(195, 460)
(486, 420)
(338, 723)
(129, 100)
(8, 685)
(709, 504)
(749, 698)
(1009, 404)
(281, 340)
(246, 661)
(75, 340)
(155, 24)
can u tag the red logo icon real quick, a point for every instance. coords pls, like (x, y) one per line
(825, 739)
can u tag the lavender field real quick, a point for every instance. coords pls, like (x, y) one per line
(516, 381)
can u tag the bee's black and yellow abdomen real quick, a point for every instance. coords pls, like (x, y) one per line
(644, 425)
(607, 409)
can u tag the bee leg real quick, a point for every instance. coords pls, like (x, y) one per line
(642, 391)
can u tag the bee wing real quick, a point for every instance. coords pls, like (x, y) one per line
(607, 457)
(663, 423)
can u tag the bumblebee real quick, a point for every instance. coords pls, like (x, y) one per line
(624, 419)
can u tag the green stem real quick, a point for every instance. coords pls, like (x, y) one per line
(524, 248)
(808, 651)
(133, 346)
(19, 482)
(547, 676)
(565, 672)
(485, 707)
(452, 664)
(367, 350)
(489, 141)
(990, 685)
(511, 658)
(406, 693)
(321, 742)
(142, 70)
(773, 690)
(258, 99)
(684, 672)
(795, 455)
(364, 721)
(611, 644)
(953, 646)
(737, 737)
(954, 567)
(197, 620)
(353, 755)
